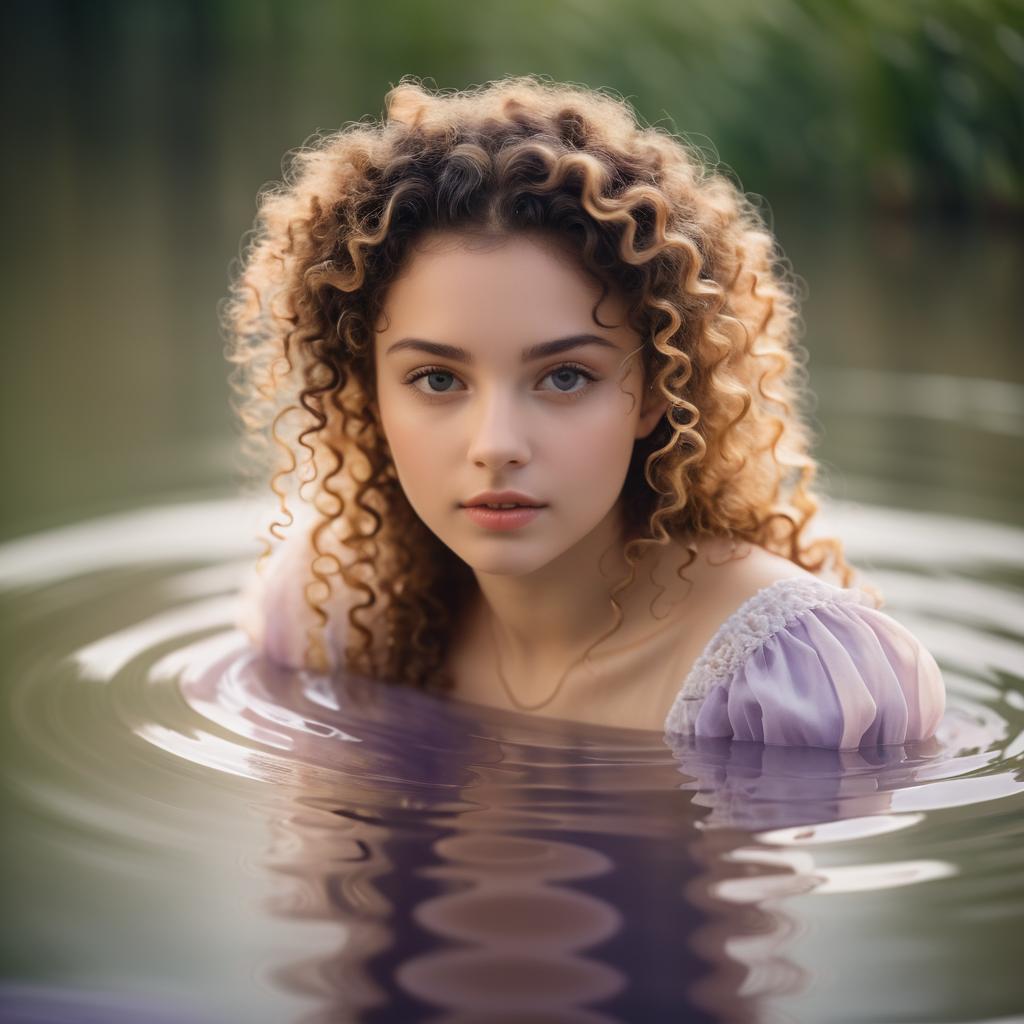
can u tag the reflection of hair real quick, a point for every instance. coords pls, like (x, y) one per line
(701, 273)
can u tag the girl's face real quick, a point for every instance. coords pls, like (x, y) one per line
(466, 407)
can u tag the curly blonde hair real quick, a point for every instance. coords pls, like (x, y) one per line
(708, 291)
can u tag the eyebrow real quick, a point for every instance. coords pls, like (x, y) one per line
(540, 351)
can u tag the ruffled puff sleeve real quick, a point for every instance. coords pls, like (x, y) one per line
(805, 663)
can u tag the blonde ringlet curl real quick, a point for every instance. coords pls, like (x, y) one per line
(643, 211)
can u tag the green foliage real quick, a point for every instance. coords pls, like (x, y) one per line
(912, 103)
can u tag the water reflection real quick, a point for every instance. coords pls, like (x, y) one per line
(766, 787)
(554, 868)
(471, 868)
(363, 851)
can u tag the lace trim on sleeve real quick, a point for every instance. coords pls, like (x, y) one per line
(757, 619)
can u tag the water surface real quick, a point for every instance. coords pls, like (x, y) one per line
(193, 834)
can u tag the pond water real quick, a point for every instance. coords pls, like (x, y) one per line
(194, 835)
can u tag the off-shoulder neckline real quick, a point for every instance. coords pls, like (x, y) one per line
(758, 618)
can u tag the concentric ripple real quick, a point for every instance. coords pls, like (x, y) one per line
(184, 818)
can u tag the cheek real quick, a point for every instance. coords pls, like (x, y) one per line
(407, 446)
(594, 455)
(422, 455)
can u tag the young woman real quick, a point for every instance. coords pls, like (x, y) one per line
(517, 295)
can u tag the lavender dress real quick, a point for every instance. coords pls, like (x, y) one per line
(806, 663)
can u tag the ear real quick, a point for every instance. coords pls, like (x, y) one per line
(652, 413)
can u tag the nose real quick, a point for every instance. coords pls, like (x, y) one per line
(499, 433)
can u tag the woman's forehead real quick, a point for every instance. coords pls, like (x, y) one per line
(521, 284)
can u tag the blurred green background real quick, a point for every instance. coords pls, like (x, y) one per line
(886, 139)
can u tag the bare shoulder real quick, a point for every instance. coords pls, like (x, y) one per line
(743, 568)
(724, 575)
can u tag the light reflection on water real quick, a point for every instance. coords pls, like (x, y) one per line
(185, 818)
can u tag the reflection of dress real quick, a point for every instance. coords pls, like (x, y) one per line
(806, 663)
(760, 786)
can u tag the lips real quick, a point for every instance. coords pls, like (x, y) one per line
(502, 520)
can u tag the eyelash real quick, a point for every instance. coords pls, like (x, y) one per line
(410, 380)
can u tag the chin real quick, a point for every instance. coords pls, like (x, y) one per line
(517, 558)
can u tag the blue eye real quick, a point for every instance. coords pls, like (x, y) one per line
(569, 370)
(436, 375)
